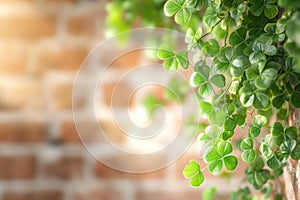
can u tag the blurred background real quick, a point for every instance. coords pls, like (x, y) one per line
(42, 45)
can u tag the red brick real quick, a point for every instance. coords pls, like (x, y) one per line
(173, 195)
(25, 21)
(13, 58)
(107, 194)
(103, 171)
(64, 168)
(61, 57)
(110, 129)
(23, 132)
(20, 94)
(17, 167)
(32, 195)
(60, 1)
(118, 92)
(82, 25)
(131, 59)
(60, 91)
(69, 134)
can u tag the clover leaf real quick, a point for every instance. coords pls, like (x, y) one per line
(193, 172)
(172, 60)
(179, 9)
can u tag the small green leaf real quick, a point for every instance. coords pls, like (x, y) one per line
(249, 155)
(261, 100)
(215, 167)
(247, 99)
(218, 80)
(230, 162)
(238, 36)
(239, 119)
(278, 101)
(273, 163)
(183, 16)
(277, 129)
(210, 17)
(197, 180)
(171, 64)
(171, 7)
(230, 124)
(252, 72)
(212, 155)
(197, 79)
(254, 131)
(191, 169)
(205, 108)
(266, 151)
(182, 59)
(205, 90)
(246, 144)
(211, 48)
(165, 52)
(270, 11)
(295, 99)
(260, 121)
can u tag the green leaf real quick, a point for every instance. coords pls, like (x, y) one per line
(223, 59)
(164, 52)
(171, 64)
(215, 167)
(270, 11)
(182, 58)
(197, 79)
(246, 144)
(249, 155)
(247, 99)
(209, 194)
(211, 48)
(257, 57)
(238, 36)
(288, 146)
(171, 7)
(252, 72)
(278, 101)
(296, 152)
(277, 129)
(230, 162)
(204, 71)
(230, 124)
(205, 90)
(210, 17)
(191, 169)
(212, 155)
(205, 108)
(239, 119)
(224, 148)
(260, 121)
(274, 163)
(265, 79)
(295, 99)
(266, 151)
(292, 132)
(183, 16)
(257, 7)
(261, 100)
(197, 180)
(218, 80)
(254, 131)
(227, 134)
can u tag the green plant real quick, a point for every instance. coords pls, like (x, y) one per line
(246, 56)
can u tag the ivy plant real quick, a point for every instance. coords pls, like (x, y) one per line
(247, 75)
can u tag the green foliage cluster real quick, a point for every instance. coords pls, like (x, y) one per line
(246, 73)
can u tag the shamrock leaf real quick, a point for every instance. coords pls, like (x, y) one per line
(192, 171)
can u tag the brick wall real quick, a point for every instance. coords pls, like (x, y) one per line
(42, 45)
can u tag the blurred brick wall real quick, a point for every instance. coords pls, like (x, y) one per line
(42, 45)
